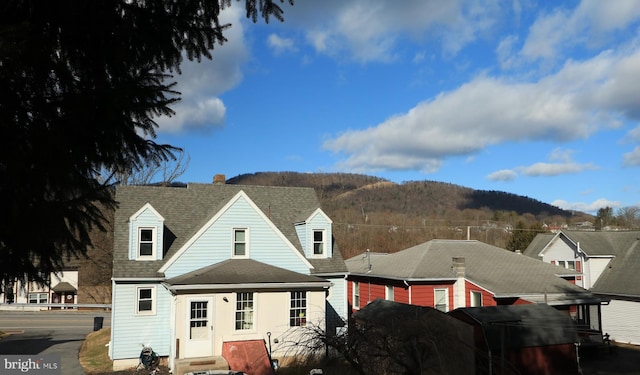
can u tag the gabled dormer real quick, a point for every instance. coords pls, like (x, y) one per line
(146, 233)
(315, 235)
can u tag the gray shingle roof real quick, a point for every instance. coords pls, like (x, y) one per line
(186, 210)
(243, 271)
(502, 272)
(621, 277)
(591, 243)
(526, 325)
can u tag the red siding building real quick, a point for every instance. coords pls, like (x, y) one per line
(449, 274)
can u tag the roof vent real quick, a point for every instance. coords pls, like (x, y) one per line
(219, 179)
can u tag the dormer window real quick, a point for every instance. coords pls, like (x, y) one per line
(146, 242)
(318, 242)
(240, 243)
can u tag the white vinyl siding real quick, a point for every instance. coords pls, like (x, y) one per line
(620, 320)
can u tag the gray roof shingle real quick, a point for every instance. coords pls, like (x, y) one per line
(621, 277)
(502, 272)
(186, 210)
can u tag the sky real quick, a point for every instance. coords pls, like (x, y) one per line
(534, 98)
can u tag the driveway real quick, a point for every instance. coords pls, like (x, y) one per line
(58, 333)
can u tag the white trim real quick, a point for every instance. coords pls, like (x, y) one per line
(247, 237)
(154, 295)
(353, 295)
(230, 203)
(254, 315)
(325, 244)
(154, 243)
(318, 211)
(471, 292)
(389, 296)
(446, 297)
(252, 286)
(147, 206)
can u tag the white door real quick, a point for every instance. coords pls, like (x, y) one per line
(199, 333)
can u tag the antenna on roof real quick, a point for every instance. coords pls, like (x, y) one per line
(367, 255)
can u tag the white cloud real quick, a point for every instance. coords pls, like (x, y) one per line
(592, 207)
(590, 24)
(370, 31)
(574, 103)
(555, 169)
(280, 45)
(632, 159)
(201, 83)
(503, 175)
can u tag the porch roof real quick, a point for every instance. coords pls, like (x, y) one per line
(245, 271)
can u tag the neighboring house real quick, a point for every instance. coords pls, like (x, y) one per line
(62, 290)
(533, 339)
(606, 263)
(202, 268)
(398, 337)
(449, 274)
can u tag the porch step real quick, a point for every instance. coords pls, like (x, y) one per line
(186, 365)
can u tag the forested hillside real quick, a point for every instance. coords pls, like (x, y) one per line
(376, 214)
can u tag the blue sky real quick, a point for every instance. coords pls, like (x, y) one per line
(534, 98)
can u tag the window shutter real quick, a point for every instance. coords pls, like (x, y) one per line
(553, 262)
(578, 266)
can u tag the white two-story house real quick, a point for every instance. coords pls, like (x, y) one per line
(202, 268)
(607, 264)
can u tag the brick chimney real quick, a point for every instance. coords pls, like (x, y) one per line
(219, 179)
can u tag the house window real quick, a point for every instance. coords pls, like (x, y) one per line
(318, 242)
(298, 311)
(146, 242)
(146, 301)
(476, 299)
(38, 297)
(568, 264)
(244, 311)
(240, 242)
(356, 295)
(388, 292)
(441, 302)
(198, 320)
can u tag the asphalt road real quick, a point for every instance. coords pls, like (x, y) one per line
(58, 333)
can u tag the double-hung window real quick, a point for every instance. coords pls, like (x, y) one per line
(145, 301)
(356, 295)
(244, 311)
(441, 300)
(388, 293)
(476, 298)
(318, 242)
(146, 242)
(38, 297)
(298, 310)
(240, 242)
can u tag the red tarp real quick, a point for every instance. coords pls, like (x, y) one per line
(248, 356)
